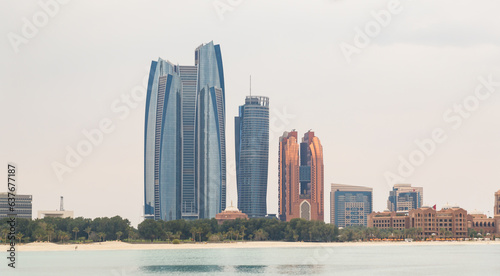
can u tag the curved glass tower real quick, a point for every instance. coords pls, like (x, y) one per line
(252, 155)
(184, 138)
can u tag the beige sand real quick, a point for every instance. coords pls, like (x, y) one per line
(115, 245)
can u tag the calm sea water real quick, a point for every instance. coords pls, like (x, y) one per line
(349, 260)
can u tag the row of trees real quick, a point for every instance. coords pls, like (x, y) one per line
(65, 229)
(253, 229)
(116, 228)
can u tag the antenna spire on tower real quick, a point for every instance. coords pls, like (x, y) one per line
(250, 85)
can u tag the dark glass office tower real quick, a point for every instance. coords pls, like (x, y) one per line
(252, 155)
(184, 148)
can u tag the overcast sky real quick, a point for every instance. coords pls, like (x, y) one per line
(414, 76)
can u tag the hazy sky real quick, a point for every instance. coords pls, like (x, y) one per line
(415, 75)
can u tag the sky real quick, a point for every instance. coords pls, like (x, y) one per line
(397, 91)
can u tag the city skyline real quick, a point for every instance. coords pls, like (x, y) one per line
(408, 92)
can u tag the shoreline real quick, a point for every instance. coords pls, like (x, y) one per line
(118, 245)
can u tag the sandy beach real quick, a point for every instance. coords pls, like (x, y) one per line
(116, 245)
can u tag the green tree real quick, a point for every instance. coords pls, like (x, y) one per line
(50, 231)
(242, 229)
(63, 236)
(88, 230)
(119, 234)
(150, 229)
(76, 230)
(19, 237)
(260, 235)
(101, 236)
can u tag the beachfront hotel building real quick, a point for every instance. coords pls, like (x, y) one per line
(301, 177)
(404, 198)
(481, 223)
(450, 219)
(252, 155)
(389, 220)
(449, 222)
(484, 224)
(23, 206)
(350, 205)
(184, 148)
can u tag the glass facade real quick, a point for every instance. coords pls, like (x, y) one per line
(350, 205)
(404, 198)
(301, 177)
(183, 177)
(252, 155)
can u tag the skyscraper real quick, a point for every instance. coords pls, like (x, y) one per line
(184, 138)
(252, 155)
(301, 177)
(350, 205)
(404, 198)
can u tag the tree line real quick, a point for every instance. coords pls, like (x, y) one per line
(81, 229)
(69, 229)
(260, 229)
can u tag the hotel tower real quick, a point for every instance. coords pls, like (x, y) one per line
(301, 191)
(184, 134)
(252, 155)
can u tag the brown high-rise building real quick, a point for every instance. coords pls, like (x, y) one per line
(301, 184)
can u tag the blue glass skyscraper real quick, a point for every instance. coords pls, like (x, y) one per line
(350, 205)
(184, 138)
(252, 155)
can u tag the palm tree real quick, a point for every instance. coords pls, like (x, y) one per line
(169, 235)
(50, 231)
(20, 237)
(5, 232)
(193, 232)
(242, 229)
(199, 230)
(131, 235)
(88, 230)
(63, 236)
(76, 230)
(119, 234)
(101, 236)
